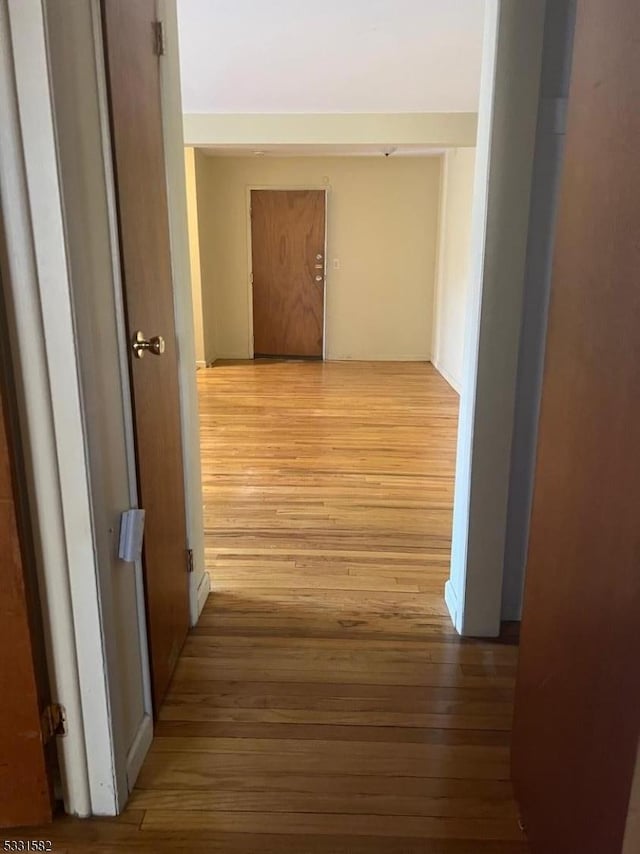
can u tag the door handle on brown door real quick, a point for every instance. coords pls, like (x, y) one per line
(154, 345)
(319, 278)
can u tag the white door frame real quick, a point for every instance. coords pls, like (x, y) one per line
(183, 300)
(38, 292)
(325, 189)
(42, 326)
(507, 121)
(79, 94)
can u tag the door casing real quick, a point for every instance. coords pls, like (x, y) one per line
(93, 772)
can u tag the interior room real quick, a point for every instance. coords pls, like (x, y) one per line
(377, 297)
(397, 235)
(299, 302)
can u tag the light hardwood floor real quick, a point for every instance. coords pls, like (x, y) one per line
(324, 704)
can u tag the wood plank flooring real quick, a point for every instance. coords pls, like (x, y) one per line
(324, 704)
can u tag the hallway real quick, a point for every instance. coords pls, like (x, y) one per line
(324, 704)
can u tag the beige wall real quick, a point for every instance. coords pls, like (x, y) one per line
(453, 263)
(382, 227)
(437, 129)
(194, 254)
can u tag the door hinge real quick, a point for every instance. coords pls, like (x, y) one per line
(158, 38)
(53, 722)
(189, 560)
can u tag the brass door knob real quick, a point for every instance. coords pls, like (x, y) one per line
(154, 345)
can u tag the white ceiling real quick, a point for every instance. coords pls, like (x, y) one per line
(330, 56)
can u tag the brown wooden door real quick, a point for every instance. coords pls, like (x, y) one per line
(136, 121)
(26, 790)
(577, 716)
(288, 265)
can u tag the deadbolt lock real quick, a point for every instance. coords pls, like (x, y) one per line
(154, 345)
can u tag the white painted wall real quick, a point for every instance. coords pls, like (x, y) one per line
(287, 56)
(504, 166)
(182, 301)
(554, 91)
(454, 260)
(382, 228)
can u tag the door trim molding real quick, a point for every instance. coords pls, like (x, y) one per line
(171, 104)
(43, 341)
(139, 749)
(284, 187)
(507, 120)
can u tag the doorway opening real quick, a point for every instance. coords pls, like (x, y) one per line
(328, 488)
(234, 653)
(393, 262)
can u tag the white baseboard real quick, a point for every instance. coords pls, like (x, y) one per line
(204, 588)
(455, 385)
(200, 363)
(451, 601)
(139, 750)
(413, 357)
